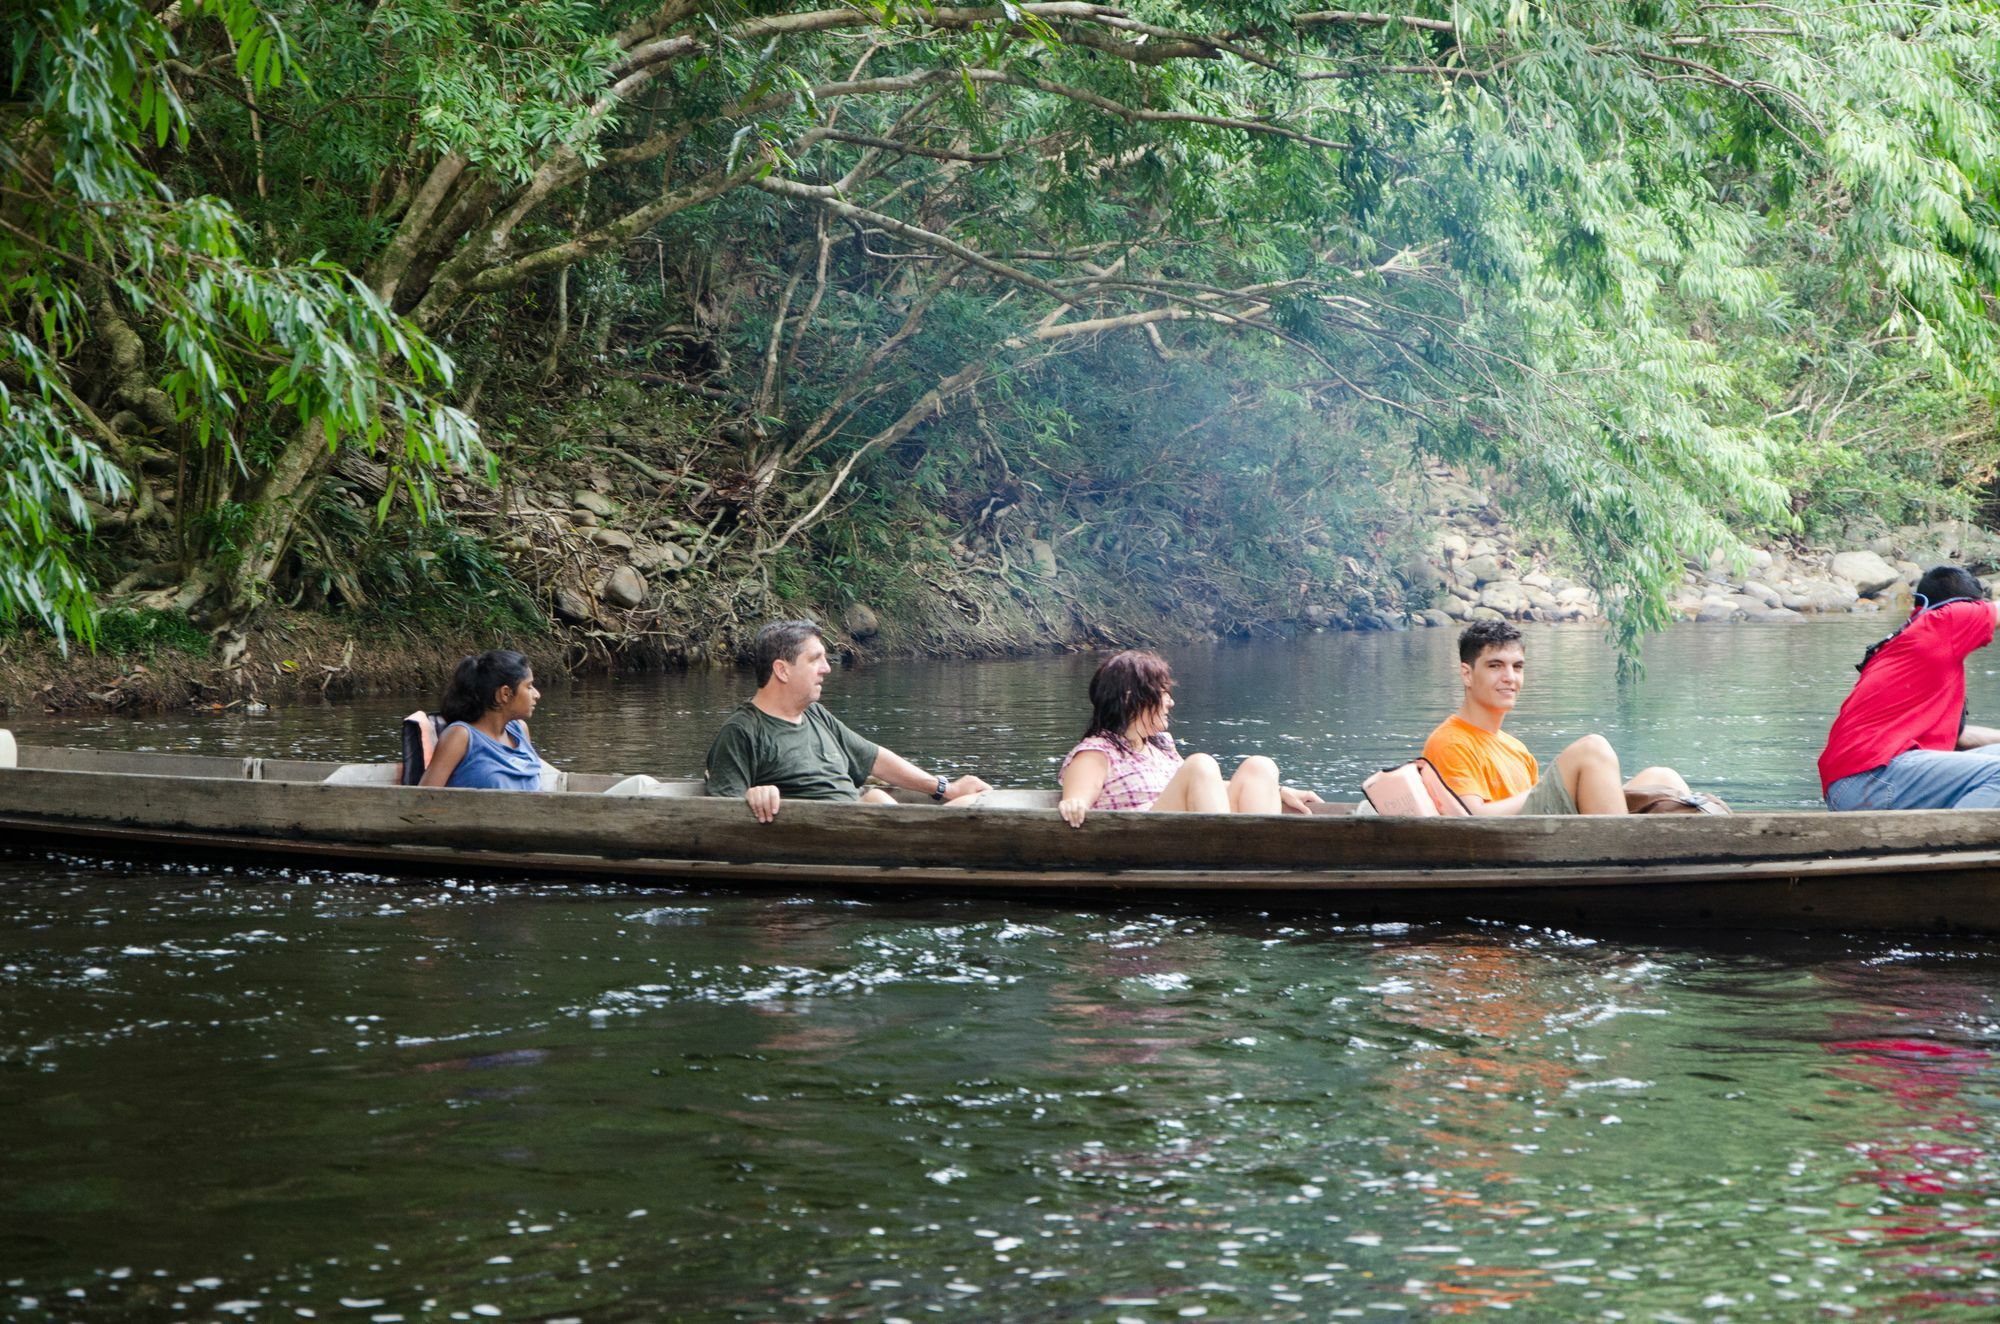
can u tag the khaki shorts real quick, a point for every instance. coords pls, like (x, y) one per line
(1550, 796)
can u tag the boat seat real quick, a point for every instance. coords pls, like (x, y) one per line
(9, 755)
(364, 774)
(420, 736)
(641, 784)
(1004, 798)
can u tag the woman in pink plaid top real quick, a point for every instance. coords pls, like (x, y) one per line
(1126, 760)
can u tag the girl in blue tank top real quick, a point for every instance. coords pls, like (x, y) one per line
(486, 747)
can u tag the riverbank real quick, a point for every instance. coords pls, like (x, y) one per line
(621, 592)
(1481, 566)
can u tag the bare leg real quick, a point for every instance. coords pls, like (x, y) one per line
(1254, 788)
(1589, 768)
(875, 795)
(1664, 778)
(1196, 788)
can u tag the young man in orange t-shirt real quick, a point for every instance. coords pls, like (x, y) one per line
(1493, 772)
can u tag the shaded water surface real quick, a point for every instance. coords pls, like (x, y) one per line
(282, 1094)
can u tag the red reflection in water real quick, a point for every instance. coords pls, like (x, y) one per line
(1918, 1161)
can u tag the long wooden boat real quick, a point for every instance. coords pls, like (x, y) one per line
(1936, 871)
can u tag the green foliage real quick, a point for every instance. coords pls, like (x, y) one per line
(46, 472)
(407, 569)
(94, 233)
(146, 633)
(223, 531)
(515, 80)
(1681, 270)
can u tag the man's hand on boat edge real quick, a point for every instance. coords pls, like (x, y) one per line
(764, 800)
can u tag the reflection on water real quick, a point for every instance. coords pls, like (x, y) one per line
(294, 1094)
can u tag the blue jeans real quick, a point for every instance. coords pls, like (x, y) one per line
(1924, 779)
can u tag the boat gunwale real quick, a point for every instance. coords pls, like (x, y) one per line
(1727, 838)
(1919, 871)
(1387, 879)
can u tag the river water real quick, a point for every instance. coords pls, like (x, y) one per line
(280, 1093)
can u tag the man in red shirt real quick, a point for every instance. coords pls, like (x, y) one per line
(1900, 741)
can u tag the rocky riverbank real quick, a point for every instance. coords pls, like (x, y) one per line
(599, 543)
(1482, 568)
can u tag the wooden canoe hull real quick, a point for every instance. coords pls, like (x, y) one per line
(1921, 871)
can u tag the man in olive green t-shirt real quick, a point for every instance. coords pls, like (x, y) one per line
(781, 744)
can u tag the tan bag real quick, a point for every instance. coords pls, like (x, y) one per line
(1413, 789)
(1660, 800)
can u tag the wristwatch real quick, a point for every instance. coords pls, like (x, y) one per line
(937, 792)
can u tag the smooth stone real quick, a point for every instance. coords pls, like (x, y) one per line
(1819, 595)
(1435, 617)
(1483, 569)
(626, 587)
(1764, 593)
(1044, 554)
(1424, 575)
(660, 556)
(596, 503)
(1506, 597)
(1869, 573)
(572, 606)
(1459, 496)
(1483, 614)
(860, 622)
(613, 539)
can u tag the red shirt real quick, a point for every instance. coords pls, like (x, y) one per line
(1911, 695)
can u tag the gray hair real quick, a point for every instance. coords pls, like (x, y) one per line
(781, 641)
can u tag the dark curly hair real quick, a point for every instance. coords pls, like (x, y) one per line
(1127, 685)
(477, 679)
(1479, 636)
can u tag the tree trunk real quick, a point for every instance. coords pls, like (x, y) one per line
(227, 599)
(234, 594)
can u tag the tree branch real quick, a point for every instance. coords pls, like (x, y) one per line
(825, 197)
